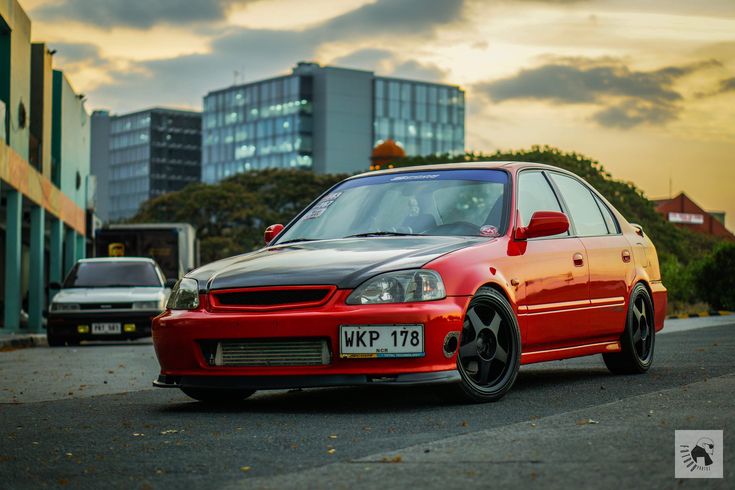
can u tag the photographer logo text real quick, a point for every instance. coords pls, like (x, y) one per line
(698, 454)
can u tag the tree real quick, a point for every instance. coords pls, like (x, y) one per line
(230, 216)
(715, 277)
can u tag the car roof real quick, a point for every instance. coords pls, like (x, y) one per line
(118, 259)
(506, 165)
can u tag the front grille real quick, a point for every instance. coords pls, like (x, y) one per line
(105, 306)
(272, 297)
(273, 352)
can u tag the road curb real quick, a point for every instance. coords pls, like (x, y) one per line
(702, 314)
(21, 341)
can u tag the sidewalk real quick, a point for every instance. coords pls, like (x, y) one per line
(21, 339)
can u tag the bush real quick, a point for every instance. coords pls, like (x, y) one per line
(679, 280)
(715, 277)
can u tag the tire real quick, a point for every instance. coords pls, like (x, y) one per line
(489, 354)
(639, 337)
(217, 396)
(55, 340)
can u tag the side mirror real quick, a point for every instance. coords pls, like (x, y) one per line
(170, 283)
(543, 223)
(54, 285)
(271, 232)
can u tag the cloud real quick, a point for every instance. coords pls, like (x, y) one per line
(184, 80)
(70, 53)
(627, 97)
(724, 86)
(406, 18)
(395, 16)
(141, 14)
(419, 71)
(365, 59)
(631, 112)
(260, 53)
(556, 2)
(727, 85)
(386, 63)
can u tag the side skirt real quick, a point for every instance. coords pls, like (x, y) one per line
(569, 352)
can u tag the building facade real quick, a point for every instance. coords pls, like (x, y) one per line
(100, 162)
(685, 213)
(147, 154)
(326, 119)
(44, 174)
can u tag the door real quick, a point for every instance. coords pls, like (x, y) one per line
(552, 270)
(609, 256)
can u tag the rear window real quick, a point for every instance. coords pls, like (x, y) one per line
(112, 275)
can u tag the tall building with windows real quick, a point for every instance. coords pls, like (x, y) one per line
(326, 119)
(148, 153)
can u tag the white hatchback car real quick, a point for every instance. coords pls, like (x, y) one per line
(107, 299)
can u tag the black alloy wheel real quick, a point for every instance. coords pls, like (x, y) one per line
(638, 339)
(217, 396)
(490, 348)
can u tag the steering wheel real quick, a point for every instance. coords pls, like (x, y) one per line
(458, 228)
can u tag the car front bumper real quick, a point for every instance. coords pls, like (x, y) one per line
(67, 324)
(178, 336)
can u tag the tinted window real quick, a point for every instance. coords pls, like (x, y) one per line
(584, 211)
(535, 194)
(446, 202)
(612, 226)
(112, 274)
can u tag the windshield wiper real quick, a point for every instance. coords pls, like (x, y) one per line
(296, 240)
(382, 233)
(112, 286)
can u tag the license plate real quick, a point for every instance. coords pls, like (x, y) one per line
(106, 328)
(375, 341)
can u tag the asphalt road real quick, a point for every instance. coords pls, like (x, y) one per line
(86, 417)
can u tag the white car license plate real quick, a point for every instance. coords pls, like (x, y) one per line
(106, 328)
(374, 341)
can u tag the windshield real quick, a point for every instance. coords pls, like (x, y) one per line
(113, 274)
(446, 202)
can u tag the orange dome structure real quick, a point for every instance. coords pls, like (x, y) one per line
(386, 153)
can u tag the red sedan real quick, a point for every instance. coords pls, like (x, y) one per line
(447, 274)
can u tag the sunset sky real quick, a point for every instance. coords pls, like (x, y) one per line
(646, 87)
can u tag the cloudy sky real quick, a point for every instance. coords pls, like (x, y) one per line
(645, 86)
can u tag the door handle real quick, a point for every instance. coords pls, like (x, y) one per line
(578, 260)
(626, 255)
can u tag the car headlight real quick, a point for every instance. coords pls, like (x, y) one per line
(399, 287)
(147, 305)
(184, 295)
(64, 307)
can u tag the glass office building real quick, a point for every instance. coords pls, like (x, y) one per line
(260, 125)
(326, 119)
(150, 153)
(423, 118)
